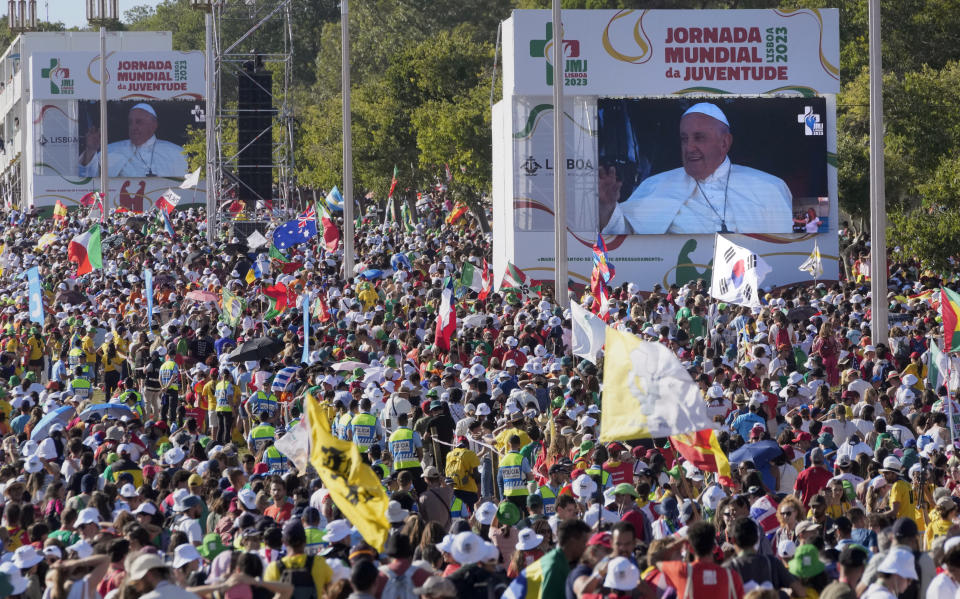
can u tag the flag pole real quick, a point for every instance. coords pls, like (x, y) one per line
(347, 143)
(560, 274)
(949, 395)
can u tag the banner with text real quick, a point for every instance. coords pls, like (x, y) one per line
(161, 75)
(653, 52)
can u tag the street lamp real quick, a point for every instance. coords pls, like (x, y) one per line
(208, 118)
(101, 11)
(21, 15)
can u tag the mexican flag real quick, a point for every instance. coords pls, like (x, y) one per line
(280, 299)
(85, 250)
(471, 277)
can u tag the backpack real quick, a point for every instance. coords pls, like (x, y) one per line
(300, 578)
(398, 587)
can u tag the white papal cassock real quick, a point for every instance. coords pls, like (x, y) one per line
(155, 158)
(669, 202)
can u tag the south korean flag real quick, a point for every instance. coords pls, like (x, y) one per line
(737, 274)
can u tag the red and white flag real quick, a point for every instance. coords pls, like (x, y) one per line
(486, 279)
(331, 235)
(168, 201)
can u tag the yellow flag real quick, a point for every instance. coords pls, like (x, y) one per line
(647, 392)
(45, 240)
(354, 487)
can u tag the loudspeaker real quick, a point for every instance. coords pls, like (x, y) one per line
(255, 113)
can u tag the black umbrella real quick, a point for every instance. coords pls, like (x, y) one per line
(135, 222)
(256, 349)
(236, 249)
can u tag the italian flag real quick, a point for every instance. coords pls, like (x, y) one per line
(331, 235)
(471, 277)
(85, 250)
(950, 311)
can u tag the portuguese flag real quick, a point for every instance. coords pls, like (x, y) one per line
(704, 451)
(85, 250)
(950, 312)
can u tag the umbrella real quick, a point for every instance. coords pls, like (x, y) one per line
(758, 452)
(256, 349)
(62, 416)
(236, 248)
(110, 410)
(202, 296)
(761, 453)
(374, 375)
(372, 273)
(349, 365)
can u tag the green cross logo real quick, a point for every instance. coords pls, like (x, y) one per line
(60, 83)
(538, 49)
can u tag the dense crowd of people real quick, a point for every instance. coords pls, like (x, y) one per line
(140, 454)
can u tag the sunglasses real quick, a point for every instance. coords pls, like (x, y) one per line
(787, 513)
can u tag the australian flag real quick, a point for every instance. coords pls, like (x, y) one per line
(296, 231)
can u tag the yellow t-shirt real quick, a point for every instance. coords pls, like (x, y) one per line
(504, 436)
(88, 348)
(36, 348)
(461, 464)
(322, 574)
(902, 493)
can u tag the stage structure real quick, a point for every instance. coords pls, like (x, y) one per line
(253, 63)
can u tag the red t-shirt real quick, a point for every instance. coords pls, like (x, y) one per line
(280, 513)
(620, 472)
(709, 580)
(811, 481)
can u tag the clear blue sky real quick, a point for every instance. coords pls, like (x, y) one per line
(74, 12)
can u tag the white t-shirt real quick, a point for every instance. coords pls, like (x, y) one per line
(788, 478)
(190, 526)
(942, 587)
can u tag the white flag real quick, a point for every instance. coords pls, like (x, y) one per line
(256, 240)
(813, 264)
(737, 274)
(191, 180)
(588, 332)
(295, 444)
(647, 392)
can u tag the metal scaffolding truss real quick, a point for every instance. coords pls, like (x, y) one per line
(258, 32)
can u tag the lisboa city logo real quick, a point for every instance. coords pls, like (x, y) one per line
(59, 77)
(812, 123)
(575, 67)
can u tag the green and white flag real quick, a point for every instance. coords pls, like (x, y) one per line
(471, 277)
(937, 368)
